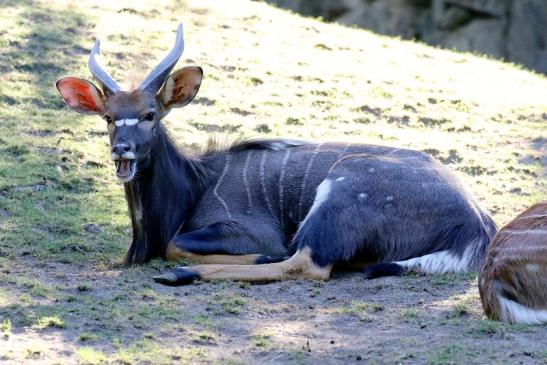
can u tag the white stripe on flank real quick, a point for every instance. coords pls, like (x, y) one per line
(517, 313)
(441, 262)
(308, 168)
(264, 190)
(246, 181)
(127, 122)
(541, 215)
(392, 152)
(525, 231)
(215, 190)
(281, 177)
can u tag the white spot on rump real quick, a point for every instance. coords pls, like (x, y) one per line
(533, 267)
(362, 196)
(371, 169)
(321, 196)
(389, 198)
(517, 313)
(342, 178)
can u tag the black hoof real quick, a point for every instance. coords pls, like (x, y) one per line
(178, 276)
(383, 269)
(263, 259)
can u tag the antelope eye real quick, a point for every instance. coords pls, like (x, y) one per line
(149, 117)
(108, 119)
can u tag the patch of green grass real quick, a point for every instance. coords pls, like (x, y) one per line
(460, 309)
(447, 355)
(204, 337)
(146, 351)
(86, 337)
(410, 313)
(5, 326)
(89, 355)
(50, 321)
(450, 278)
(262, 341)
(362, 310)
(232, 304)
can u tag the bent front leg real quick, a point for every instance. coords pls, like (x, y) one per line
(299, 266)
(221, 243)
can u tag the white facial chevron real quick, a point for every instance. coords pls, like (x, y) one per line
(127, 122)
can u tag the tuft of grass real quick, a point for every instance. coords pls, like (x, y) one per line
(362, 310)
(232, 304)
(50, 321)
(460, 309)
(5, 326)
(89, 355)
(447, 355)
(86, 337)
(204, 337)
(262, 341)
(410, 313)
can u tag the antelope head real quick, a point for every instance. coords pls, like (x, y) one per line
(133, 117)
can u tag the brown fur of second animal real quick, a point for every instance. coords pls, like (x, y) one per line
(513, 281)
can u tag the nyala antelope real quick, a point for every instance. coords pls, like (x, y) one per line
(264, 210)
(513, 281)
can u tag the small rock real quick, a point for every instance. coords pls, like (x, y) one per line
(92, 228)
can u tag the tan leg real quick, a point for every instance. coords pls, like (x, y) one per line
(174, 253)
(299, 266)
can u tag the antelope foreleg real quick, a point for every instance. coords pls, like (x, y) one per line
(300, 265)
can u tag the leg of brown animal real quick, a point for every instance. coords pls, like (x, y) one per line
(300, 265)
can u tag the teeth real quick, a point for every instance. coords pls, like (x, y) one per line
(118, 165)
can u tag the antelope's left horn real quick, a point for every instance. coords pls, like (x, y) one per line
(156, 78)
(99, 72)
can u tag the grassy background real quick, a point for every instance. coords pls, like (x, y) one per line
(63, 222)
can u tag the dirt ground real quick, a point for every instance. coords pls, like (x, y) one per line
(409, 320)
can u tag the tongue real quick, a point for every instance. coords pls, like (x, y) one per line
(125, 168)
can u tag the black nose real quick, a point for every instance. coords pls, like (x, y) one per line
(121, 148)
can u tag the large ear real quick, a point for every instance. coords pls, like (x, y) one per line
(180, 88)
(81, 95)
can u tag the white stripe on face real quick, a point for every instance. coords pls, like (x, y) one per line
(127, 122)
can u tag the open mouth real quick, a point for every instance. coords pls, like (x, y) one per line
(125, 169)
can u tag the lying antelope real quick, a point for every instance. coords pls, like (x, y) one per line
(513, 281)
(266, 210)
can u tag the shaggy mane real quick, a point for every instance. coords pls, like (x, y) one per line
(217, 144)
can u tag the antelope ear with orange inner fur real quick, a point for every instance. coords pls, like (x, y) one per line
(181, 87)
(81, 95)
